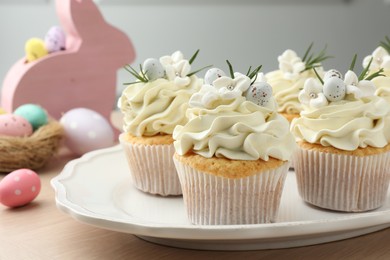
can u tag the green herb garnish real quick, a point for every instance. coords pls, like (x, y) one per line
(253, 74)
(363, 74)
(230, 69)
(352, 66)
(386, 44)
(313, 61)
(140, 76)
(318, 76)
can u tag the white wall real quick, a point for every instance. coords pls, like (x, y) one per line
(247, 32)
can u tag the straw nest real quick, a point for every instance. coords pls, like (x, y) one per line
(30, 152)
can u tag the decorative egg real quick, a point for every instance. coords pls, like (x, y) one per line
(212, 74)
(332, 73)
(14, 125)
(34, 114)
(35, 49)
(55, 39)
(259, 93)
(86, 130)
(334, 89)
(2, 111)
(19, 188)
(153, 69)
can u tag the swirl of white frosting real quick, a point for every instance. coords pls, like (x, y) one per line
(344, 124)
(156, 107)
(236, 129)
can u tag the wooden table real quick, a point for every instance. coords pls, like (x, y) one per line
(41, 231)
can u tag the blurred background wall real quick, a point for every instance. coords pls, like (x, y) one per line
(247, 32)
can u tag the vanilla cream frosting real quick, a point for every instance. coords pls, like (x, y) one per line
(344, 124)
(288, 81)
(234, 128)
(156, 107)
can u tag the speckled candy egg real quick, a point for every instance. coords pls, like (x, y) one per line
(19, 188)
(334, 89)
(35, 49)
(55, 39)
(14, 125)
(332, 73)
(259, 93)
(34, 114)
(213, 74)
(86, 130)
(153, 69)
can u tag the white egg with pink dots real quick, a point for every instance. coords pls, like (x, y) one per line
(19, 188)
(86, 130)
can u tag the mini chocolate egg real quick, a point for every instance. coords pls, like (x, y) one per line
(19, 188)
(35, 114)
(14, 125)
(86, 130)
(153, 69)
(334, 89)
(55, 39)
(259, 93)
(35, 49)
(2, 111)
(213, 74)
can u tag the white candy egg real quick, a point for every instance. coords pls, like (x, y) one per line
(259, 93)
(332, 73)
(213, 74)
(334, 89)
(19, 187)
(86, 130)
(153, 69)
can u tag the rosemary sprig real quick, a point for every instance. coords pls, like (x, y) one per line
(196, 71)
(352, 66)
(230, 69)
(386, 44)
(365, 71)
(253, 74)
(313, 61)
(363, 74)
(140, 76)
(193, 56)
(318, 76)
(375, 74)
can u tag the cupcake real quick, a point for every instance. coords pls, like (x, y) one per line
(343, 154)
(152, 107)
(379, 62)
(232, 155)
(290, 78)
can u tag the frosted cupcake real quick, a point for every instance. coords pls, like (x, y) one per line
(151, 108)
(232, 155)
(290, 78)
(343, 155)
(379, 61)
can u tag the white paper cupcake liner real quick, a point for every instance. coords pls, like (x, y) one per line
(342, 182)
(214, 200)
(152, 168)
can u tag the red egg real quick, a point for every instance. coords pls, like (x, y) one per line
(14, 125)
(19, 188)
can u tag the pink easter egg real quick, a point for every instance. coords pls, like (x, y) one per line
(14, 125)
(86, 130)
(19, 188)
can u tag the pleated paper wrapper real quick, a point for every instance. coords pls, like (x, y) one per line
(342, 182)
(152, 168)
(215, 200)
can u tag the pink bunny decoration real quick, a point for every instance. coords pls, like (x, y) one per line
(83, 75)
